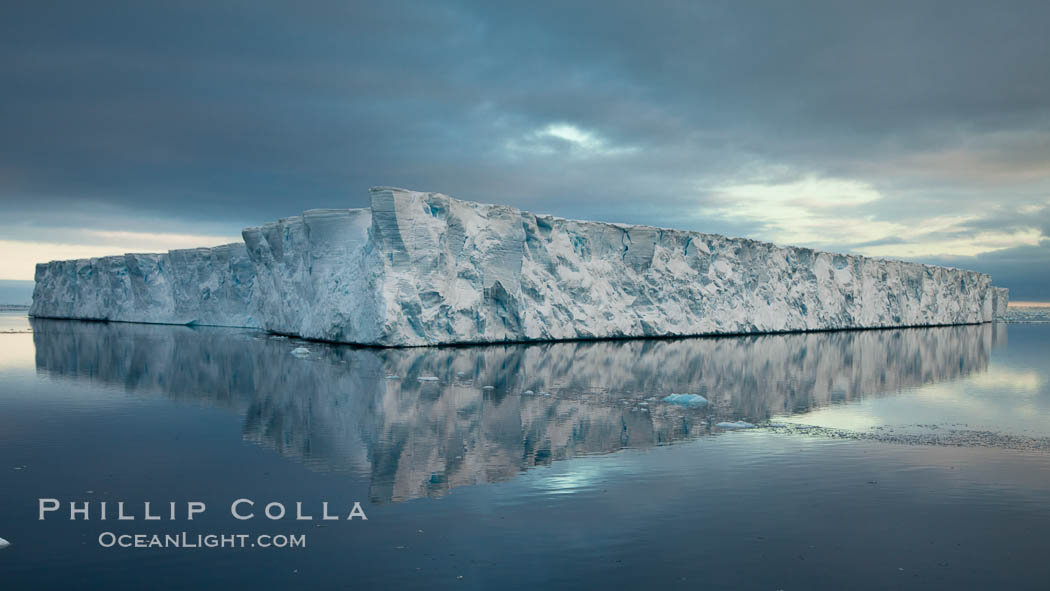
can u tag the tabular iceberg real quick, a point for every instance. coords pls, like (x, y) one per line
(425, 269)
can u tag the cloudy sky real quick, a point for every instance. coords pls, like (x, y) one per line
(912, 130)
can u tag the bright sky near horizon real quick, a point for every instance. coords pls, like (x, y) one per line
(915, 130)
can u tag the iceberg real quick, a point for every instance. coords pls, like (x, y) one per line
(417, 269)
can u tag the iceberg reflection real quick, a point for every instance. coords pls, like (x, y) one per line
(484, 414)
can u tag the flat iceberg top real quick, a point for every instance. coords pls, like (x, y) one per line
(419, 268)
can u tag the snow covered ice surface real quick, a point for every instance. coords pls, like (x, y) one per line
(425, 269)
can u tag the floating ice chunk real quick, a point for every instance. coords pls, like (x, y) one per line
(528, 392)
(545, 393)
(4, 543)
(301, 352)
(393, 377)
(488, 387)
(729, 426)
(688, 400)
(428, 379)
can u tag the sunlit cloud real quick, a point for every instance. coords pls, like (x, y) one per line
(18, 258)
(978, 243)
(845, 214)
(811, 210)
(565, 138)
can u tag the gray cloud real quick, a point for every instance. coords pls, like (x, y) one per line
(1023, 269)
(240, 112)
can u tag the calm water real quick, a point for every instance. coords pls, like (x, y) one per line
(898, 459)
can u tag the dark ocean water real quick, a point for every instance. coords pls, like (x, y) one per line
(895, 459)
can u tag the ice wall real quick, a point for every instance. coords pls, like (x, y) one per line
(1000, 301)
(208, 286)
(435, 270)
(313, 275)
(425, 269)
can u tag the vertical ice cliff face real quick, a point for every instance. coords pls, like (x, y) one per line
(585, 279)
(425, 269)
(439, 270)
(211, 286)
(447, 267)
(1000, 299)
(313, 275)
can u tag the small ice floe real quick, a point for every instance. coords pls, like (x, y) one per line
(545, 393)
(689, 400)
(488, 387)
(301, 352)
(4, 543)
(528, 392)
(428, 379)
(393, 377)
(731, 425)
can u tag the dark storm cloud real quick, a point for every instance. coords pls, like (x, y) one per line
(1023, 268)
(239, 112)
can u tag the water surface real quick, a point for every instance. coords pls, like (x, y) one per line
(915, 458)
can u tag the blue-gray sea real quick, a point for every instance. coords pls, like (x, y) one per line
(881, 459)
